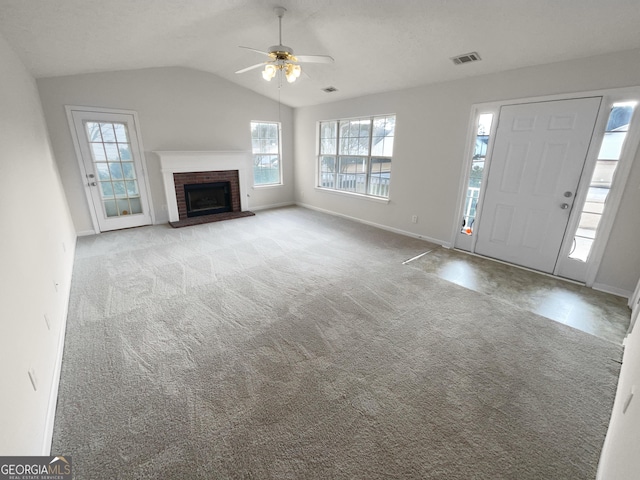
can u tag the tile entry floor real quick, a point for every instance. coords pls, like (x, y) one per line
(597, 313)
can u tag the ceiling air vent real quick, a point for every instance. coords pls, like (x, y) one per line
(330, 89)
(466, 58)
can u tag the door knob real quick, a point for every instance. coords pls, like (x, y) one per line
(93, 184)
(564, 206)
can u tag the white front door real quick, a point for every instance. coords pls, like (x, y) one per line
(111, 162)
(537, 160)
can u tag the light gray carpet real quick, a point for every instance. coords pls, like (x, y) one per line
(295, 345)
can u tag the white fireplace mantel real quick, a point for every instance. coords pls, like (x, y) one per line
(192, 161)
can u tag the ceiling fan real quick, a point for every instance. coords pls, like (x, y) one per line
(281, 57)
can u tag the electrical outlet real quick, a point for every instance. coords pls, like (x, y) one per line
(414, 219)
(46, 320)
(64, 248)
(33, 378)
(56, 285)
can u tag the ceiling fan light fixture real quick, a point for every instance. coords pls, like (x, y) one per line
(292, 72)
(281, 57)
(269, 72)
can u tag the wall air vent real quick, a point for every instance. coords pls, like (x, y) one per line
(330, 89)
(466, 58)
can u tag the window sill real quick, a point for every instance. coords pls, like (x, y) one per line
(271, 185)
(352, 194)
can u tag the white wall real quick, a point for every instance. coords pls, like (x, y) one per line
(431, 135)
(36, 252)
(178, 109)
(620, 458)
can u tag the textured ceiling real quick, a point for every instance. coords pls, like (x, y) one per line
(377, 45)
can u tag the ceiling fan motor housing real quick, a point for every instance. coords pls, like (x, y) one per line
(281, 52)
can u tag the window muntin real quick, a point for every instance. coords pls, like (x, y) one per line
(111, 155)
(355, 155)
(380, 175)
(477, 171)
(265, 146)
(601, 180)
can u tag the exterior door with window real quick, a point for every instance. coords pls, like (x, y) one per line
(110, 157)
(537, 161)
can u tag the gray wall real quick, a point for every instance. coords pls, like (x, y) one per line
(36, 253)
(178, 109)
(431, 136)
(620, 459)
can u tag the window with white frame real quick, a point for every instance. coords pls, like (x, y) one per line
(265, 146)
(602, 179)
(355, 155)
(477, 172)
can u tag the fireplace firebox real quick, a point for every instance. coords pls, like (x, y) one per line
(207, 198)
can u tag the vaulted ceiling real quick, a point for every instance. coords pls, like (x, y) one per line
(378, 45)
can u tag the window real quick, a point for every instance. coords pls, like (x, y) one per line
(355, 155)
(265, 146)
(477, 170)
(111, 153)
(602, 179)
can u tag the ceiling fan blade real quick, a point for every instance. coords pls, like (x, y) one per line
(258, 65)
(314, 59)
(255, 50)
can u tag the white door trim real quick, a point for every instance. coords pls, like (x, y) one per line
(69, 109)
(609, 96)
(459, 240)
(619, 182)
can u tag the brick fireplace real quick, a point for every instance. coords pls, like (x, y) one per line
(198, 168)
(203, 178)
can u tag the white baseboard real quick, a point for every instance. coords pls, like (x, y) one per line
(53, 396)
(378, 225)
(268, 207)
(85, 233)
(612, 290)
